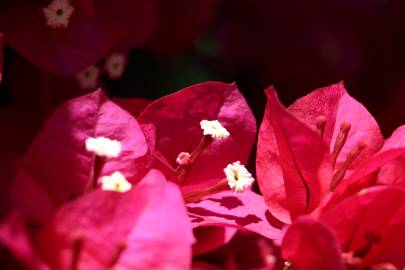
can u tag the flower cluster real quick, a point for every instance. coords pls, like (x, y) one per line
(113, 189)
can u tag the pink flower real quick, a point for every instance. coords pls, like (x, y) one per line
(172, 126)
(306, 151)
(92, 30)
(145, 228)
(58, 166)
(360, 232)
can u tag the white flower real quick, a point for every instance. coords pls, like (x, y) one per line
(115, 182)
(115, 65)
(239, 179)
(214, 129)
(103, 147)
(88, 78)
(57, 13)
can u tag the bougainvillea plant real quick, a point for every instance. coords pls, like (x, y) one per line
(104, 166)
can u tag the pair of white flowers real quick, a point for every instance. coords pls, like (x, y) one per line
(239, 179)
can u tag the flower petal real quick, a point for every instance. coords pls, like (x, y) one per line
(150, 219)
(379, 211)
(291, 162)
(338, 106)
(309, 244)
(57, 160)
(177, 117)
(245, 210)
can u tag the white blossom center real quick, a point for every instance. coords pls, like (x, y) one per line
(115, 182)
(103, 147)
(57, 13)
(115, 65)
(214, 129)
(88, 78)
(239, 179)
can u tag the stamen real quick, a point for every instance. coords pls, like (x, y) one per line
(340, 141)
(182, 170)
(351, 156)
(320, 125)
(77, 247)
(197, 195)
(212, 130)
(121, 246)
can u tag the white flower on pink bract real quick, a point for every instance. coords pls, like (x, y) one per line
(115, 65)
(57, 13)
(239, 178)
(103, 147)
(214, 129)
(88, 78)
(115, 182)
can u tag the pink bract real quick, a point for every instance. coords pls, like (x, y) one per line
(150, 221)
(295, 159)
(144, 228)
(87, 38)
(57, 161)
(246, 210)
(309, 244)
(291, 162)
(375, 217)
(176, 128)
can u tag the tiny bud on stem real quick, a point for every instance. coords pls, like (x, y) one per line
(182, 170)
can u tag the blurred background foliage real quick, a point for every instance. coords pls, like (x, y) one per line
(296, 46)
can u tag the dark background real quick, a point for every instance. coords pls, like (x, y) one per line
(297, 46)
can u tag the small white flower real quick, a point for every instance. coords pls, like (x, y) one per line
(88, 78)
(103, 147)
(214, 129)
(115, 182)
(239, 179)
(115, 65)
(57, 13)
